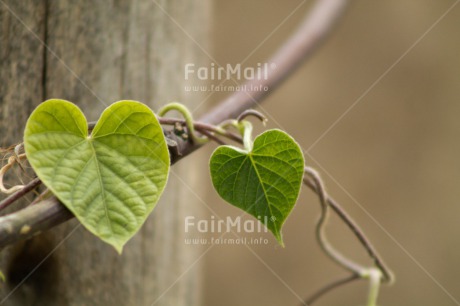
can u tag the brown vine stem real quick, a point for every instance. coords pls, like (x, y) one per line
(212, 137)
(376, 275)
(203, 128)
(318, 23)
(308, 36)
(20, 193)
(48, 214)
(356, 230)
(322, 222)
(333, 285)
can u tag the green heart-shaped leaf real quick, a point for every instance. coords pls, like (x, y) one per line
(264, 182)
(111, 179)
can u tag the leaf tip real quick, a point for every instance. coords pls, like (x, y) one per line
(118, 248)
(279, 238)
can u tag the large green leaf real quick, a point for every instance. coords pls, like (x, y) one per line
(264, 182)
(111, 179)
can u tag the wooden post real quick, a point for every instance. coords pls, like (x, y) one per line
(94, 53)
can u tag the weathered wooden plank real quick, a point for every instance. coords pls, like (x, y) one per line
(100, 52)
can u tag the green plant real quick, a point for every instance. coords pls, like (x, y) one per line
(111, 178)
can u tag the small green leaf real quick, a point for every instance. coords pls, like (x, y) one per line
(264, 182)
(110, 180)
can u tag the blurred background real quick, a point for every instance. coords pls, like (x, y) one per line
(391, 159)
(375, 109)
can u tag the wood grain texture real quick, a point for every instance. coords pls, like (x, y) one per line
(100, 52)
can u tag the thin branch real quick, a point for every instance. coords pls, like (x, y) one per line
(32, 220)
(201, 126)
(20, 193)
(306, 39)
(357, 231)
(42, 196)
(212, 137)
(327, 288)
(335, 255)
(376, 275)
(299, 46)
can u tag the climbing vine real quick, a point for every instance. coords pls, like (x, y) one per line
(110, 174)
